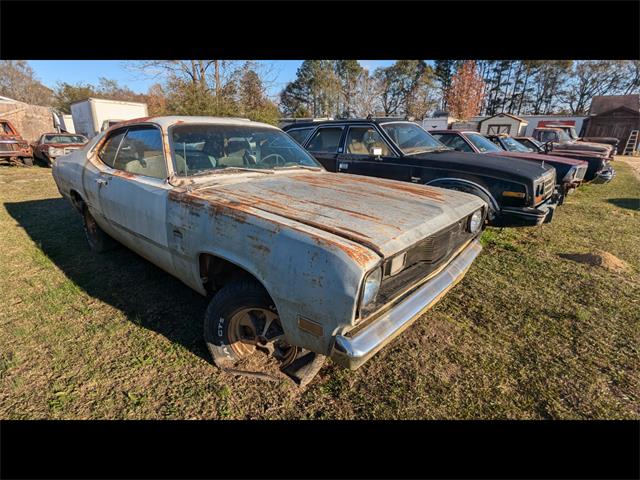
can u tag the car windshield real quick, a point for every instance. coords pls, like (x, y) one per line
(64, 139)
(514, 145)
(563, 136)
(411, 138)
(210, 148)
(483, 144)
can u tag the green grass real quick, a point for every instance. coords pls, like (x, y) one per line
(527, 334)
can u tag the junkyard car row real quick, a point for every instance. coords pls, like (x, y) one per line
(332, 252)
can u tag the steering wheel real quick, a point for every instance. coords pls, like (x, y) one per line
(278, 160)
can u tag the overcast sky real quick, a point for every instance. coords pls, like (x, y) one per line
(50, 72)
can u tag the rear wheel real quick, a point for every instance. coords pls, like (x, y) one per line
(98, 240)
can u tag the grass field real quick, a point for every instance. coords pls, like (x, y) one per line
(530, 333)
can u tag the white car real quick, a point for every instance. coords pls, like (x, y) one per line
(302, 263)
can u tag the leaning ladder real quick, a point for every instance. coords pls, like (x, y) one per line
(632, 143)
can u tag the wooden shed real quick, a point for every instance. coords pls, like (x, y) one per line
(617, 123)
(503, 123)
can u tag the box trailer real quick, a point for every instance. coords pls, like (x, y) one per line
(91, 114)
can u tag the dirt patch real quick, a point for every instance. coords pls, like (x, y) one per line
(634, 162)
(599, 259)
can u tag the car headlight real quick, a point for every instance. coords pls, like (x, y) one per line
(475, 221)
(371, 286)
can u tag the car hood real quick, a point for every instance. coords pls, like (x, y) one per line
(386, 216)
(582, 146)
(485, 164)
(541, 156)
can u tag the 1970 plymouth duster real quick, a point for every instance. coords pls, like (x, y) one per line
(302, 263)
(518, 192)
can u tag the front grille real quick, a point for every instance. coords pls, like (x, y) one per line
(8, 147)
(549, 184)
(423, 258)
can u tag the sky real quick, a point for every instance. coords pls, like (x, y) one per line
(51, 72)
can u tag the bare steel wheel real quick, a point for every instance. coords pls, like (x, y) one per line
(258, 330)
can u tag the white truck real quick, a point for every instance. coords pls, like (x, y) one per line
(91, 114)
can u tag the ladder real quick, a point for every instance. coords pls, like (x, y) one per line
(632, 143)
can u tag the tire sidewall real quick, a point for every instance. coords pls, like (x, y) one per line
(228, 302)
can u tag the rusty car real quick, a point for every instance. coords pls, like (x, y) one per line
(554, 138)
(53, 145)
(13, 148)
(518, 192)
(599, 168)
(569, 172)
(570, 130)
(302, 264)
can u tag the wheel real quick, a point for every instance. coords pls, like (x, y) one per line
(242, 330)
(27, 161)
(98, 240)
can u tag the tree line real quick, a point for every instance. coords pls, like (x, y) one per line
(344, 88)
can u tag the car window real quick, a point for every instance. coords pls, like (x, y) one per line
(300, 134)
(453, 141)
(362, 141)
(326, 140)
(547, 136)
(141, 153)
(211, 148)
(513, 145)
(410, 138)
(108, 151)
(483, 144)
(64, 139)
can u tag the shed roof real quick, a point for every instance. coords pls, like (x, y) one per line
(521, 120)
(605, 103)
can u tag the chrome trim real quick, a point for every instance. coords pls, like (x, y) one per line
(352, 352)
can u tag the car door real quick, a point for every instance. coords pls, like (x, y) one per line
(325, 144)
(133, 189)
(359, 155)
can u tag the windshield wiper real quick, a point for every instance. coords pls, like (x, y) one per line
(306, 167)
(231, 170)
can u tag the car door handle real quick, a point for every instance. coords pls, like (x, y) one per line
(101, 181)
(415, 179)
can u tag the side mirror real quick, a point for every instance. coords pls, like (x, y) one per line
(377, 152)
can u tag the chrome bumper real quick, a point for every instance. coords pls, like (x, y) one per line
(604, 176)
(352, 351)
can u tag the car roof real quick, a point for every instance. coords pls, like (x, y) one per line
(167, 121)
(352, 121)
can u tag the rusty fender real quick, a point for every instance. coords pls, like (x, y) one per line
(312, 276)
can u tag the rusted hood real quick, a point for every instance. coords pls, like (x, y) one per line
(383, 215)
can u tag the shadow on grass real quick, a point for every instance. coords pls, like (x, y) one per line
(628, 203)
(147, 295)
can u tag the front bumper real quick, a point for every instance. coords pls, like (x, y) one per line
(352, 351)
(604, 176)
(527, 216)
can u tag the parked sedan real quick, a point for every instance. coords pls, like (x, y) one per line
(569, 172)
(53, 145)
(301, 263)
(518, 192)
(12, 146)
(599, 169)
